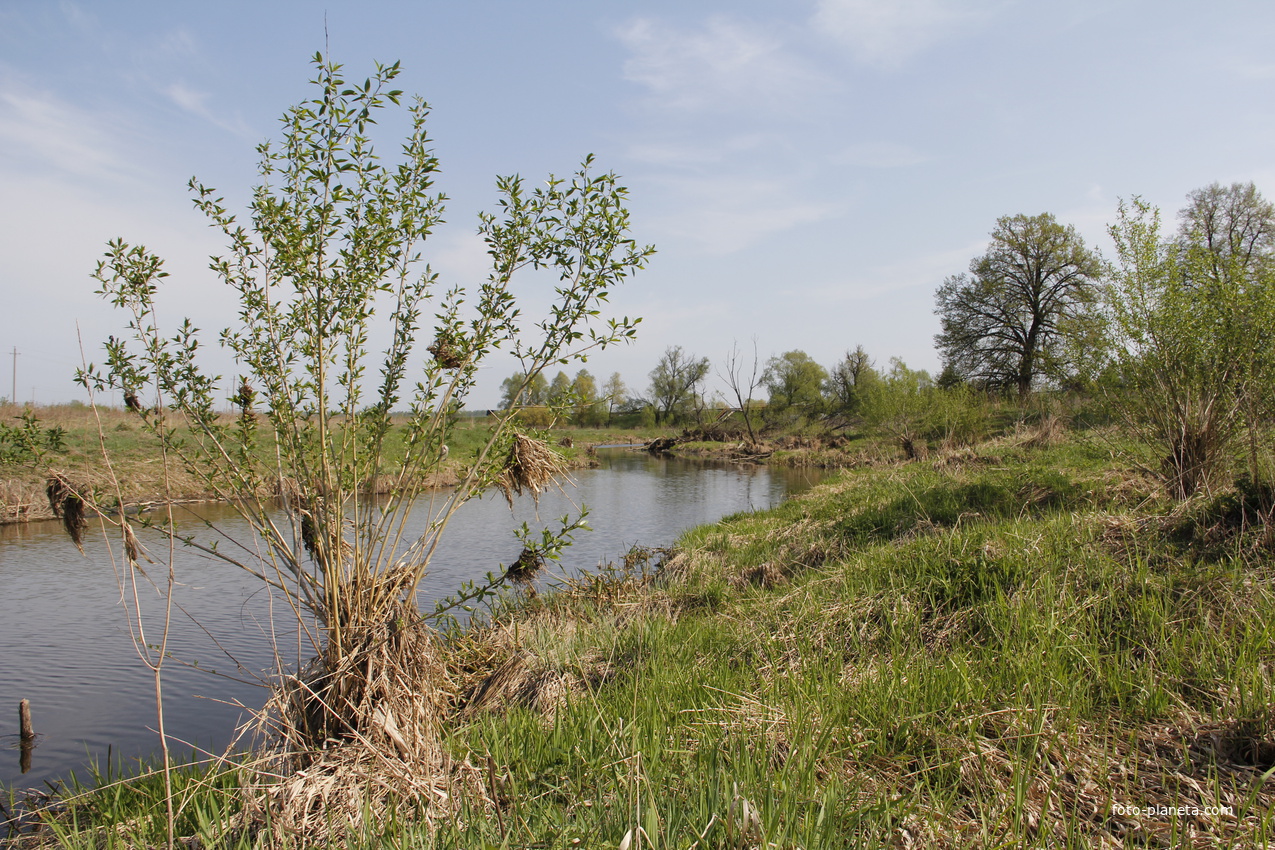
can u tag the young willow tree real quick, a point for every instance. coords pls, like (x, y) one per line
(329, 261)
(1006, 322)
(1182, 319)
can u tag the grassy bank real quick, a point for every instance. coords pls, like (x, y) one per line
(1021, 644)
(998, 648)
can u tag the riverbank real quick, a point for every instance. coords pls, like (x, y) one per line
(142, 480)
(1016, 645)
(1020, 644)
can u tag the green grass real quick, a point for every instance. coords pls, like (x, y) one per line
(965, 655)
(987, 649)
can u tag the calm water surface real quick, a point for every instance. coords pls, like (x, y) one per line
(65, 641)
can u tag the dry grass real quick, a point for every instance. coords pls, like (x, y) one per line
(531, 466)
(358, 734)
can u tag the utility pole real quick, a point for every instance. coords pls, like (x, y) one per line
(13, 394)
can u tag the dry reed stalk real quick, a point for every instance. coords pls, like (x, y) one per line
(21, 501)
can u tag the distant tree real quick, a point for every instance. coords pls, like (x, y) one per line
(743, 388)
(675, 382)
(588, 408)
(1234, 225)
(848, 382)
(897, 404)
(535, 394)
(559, 390)
(614, 393)
(795, 382)
(1004, 324)
(949, 378)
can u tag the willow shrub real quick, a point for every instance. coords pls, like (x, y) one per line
(328, 260)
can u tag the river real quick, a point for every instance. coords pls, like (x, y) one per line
(65, 637)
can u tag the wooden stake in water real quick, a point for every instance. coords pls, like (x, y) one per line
(27, 735)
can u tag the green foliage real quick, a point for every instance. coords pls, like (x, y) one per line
(849, 384)
(560, 390)
(897, 404)
(1006, 324)
(521, 390)
(795, 383)
(675, 384)
(28, 442)
(1188, 324)
(589, 410)
(328, 261)
(614, 395)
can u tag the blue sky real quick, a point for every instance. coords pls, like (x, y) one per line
(810, 172)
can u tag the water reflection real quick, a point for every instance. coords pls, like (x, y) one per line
(70, 651)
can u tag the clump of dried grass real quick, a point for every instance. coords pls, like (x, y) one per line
(358, 733)
(531, 466)
(446, 352)
(526, 681)
(1049, 431)
(67, 505)
(529, 564)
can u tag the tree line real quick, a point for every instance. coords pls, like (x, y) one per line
(788, 389)
(1173, 335)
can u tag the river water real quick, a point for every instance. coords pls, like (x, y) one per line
(67, 647)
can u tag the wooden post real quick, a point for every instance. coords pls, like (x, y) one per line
(27, 735)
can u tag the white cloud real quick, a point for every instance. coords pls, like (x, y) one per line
(1250, 70)
(78, 16)
(37, 126)
(728, 213)
(195, 102)
(886, 33)
(177, 43)
(726, 63)
(923, 272)
(693, 155)
(880, 155)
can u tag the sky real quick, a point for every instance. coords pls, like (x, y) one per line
(809, 172)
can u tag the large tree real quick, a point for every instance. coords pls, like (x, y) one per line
(675, 382)
(1234, 224)
(794, 381)
(849, 381)
(1004, 323)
